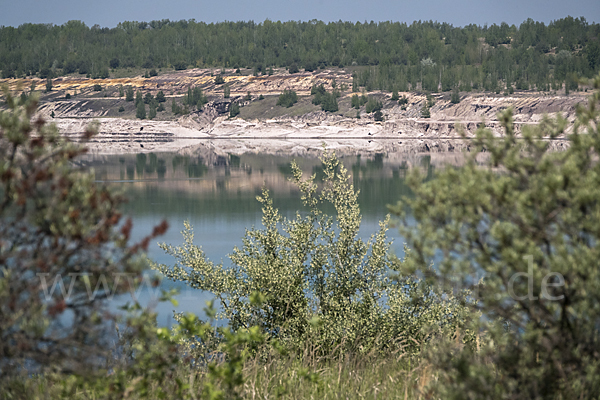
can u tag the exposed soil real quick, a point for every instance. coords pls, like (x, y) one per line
(269, 125)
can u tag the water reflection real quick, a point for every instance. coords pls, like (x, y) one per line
(217, 193)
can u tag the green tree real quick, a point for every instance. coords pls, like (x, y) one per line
(48, 85)
(160, 97)
(152, 111)
(138, 98)
(195, 98)
(219, 80)
(148, 98)
(378, 116)
(175, 108)
(234, 109)
(293, 69)
(226, 91)
(373, 105)
(140, 111)
(455, 97)
(355, 101)
(129, 94)
(522, 233)
(287, 99)
(425, 113)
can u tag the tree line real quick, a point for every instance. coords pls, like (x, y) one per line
(425, 54)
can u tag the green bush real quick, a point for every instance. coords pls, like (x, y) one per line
(148, 98)
(195, 98)
(152, 111)
(327, 101)
(522, 232)
(287, 99)
(373, 105)
(234, 109)
(129, 94)
(455, 97)
(322, 285)
(293, 68)
(180, 66)
(140, 111)
(219, 80)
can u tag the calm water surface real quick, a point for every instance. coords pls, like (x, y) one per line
(217, 194)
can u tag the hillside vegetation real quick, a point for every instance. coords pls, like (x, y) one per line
(427, 55)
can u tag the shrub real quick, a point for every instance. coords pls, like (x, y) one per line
(355, 101)
(114, 63)
(287, 99)
(425, 113)
(152, 111)
(455, 97)
(148, 98)
(180, 66)
(121, 109)
(48, 85)
(373, 105)
(327, 101)
(129, 94)
(321, 283)
(153, 72)
(234, 109)
(219, 80)
(140, 111)
(195, 98)
(378, 116)
(523, 233)
(293, 68)
(176, 108)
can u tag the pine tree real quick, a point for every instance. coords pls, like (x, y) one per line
(141, 110)
(129, 94)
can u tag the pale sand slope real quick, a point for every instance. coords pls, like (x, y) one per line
(306, 133)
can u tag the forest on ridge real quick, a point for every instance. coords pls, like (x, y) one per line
(388, 56)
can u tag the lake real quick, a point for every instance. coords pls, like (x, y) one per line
(217, 192)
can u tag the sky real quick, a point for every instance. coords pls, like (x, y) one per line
(108, 13)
